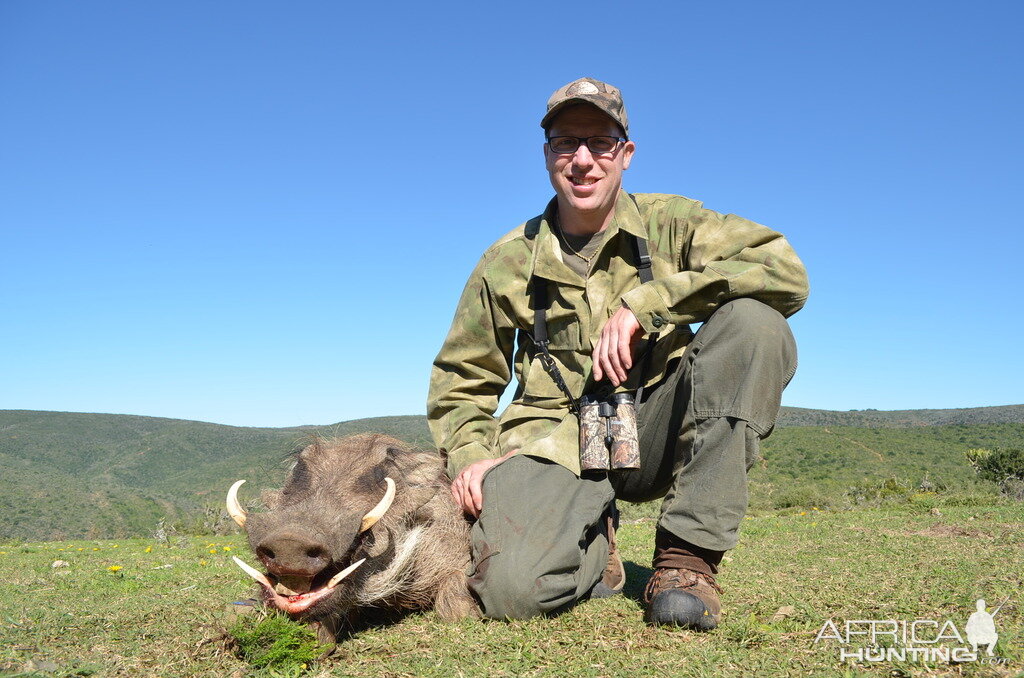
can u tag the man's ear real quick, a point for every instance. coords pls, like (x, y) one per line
(628, 149)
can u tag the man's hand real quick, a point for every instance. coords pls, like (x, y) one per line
(467, 489)
(613, 355)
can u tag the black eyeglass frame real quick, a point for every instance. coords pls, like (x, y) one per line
(586, 140)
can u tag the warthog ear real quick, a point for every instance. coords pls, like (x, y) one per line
(374, 478)
(270, 498)
(381, 448)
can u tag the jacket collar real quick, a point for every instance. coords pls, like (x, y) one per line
(547, 254)
(627, 216)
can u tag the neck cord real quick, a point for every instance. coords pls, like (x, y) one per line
(565, 239)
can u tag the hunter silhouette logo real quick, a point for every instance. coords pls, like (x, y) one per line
(921, 640)
(981, 628)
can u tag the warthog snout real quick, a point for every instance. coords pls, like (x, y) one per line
(289, 552)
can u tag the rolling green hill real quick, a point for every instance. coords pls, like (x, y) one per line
(846, 455)
(1005, 414)
(70, 475)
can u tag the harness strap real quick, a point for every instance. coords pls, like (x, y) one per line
(643, 268)
(540, 339)
(643, 257)
(540, 309)
(539, 294)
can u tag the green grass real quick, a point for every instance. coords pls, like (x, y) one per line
(900, 561)
(269, 640)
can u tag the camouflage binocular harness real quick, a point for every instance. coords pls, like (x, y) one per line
(608, 434)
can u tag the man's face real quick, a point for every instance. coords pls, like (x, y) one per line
(584, 182)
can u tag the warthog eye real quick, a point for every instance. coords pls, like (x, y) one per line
(314, 552)
(265, 552)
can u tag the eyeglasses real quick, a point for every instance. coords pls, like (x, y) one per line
(597, 145)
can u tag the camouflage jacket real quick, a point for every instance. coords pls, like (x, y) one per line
(701, 259)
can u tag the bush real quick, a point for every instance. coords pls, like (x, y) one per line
(870, 492)
(1013, 488)
(801, 496)
(1003, 466)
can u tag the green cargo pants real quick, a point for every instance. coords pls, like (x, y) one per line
(541, 541)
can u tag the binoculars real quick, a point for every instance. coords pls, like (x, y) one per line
(608, 436)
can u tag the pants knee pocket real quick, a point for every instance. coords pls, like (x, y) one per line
(510, 591)
(742, 361)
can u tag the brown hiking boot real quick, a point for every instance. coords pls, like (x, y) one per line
(614, 578)
(683, 598)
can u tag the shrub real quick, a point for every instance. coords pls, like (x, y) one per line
(1003, 466)
(873, 492)
(800, 496)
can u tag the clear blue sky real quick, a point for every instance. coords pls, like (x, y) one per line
(263, 213)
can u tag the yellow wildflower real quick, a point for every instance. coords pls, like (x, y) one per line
(202, 562)
(803, 513)
(227, 548)
(149, 549)
(213, 550)
(115, 568)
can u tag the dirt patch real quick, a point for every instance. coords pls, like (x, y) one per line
(933, 531)
(948, 531)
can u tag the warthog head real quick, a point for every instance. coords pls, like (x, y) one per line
(361, 521)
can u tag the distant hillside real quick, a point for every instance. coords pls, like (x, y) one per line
(1006, 414)
(847, 455)
(69, 475)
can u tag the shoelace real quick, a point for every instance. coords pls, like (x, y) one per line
(668, 578)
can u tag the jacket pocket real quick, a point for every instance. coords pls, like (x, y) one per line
(564, 333)
(564, 341)
(538, 383)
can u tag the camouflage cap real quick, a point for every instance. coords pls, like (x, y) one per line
(605, 97)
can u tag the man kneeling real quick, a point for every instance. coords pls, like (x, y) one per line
(591, 302)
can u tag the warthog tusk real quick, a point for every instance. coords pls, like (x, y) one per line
(253, 572)
(235, 509)
(344, 573)
(377, 511)
(262, 579)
